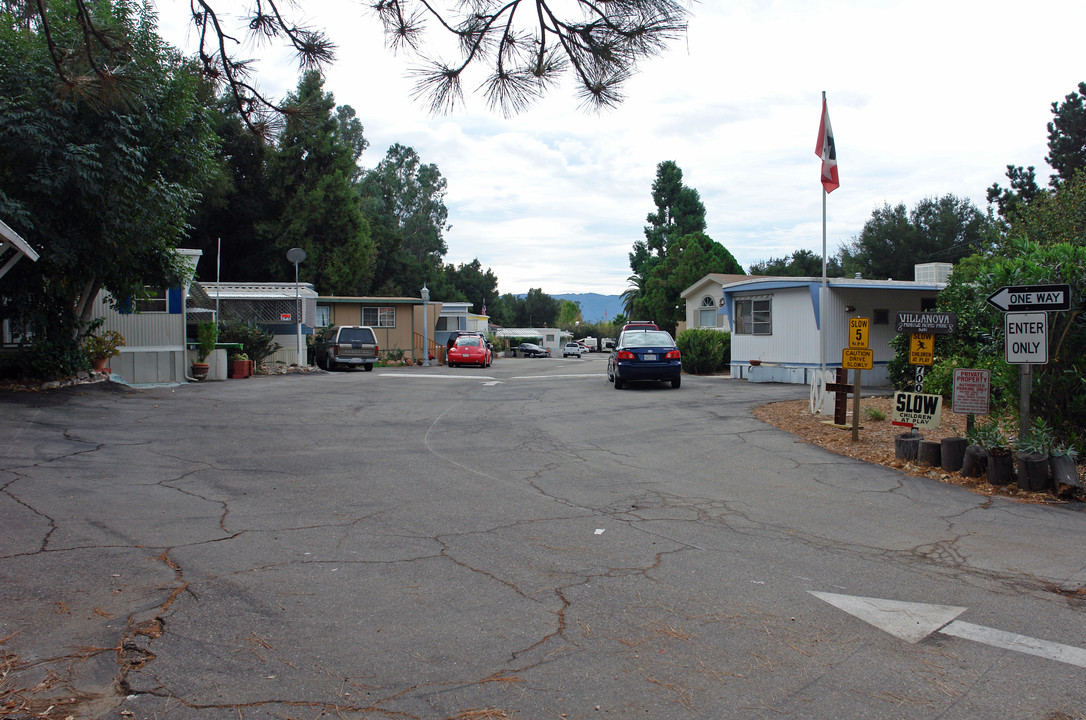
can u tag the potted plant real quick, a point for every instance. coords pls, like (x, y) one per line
(1061, 459)
(207, 334)
(100, 348)
(1000, 467)
(240, 366)
(1032, 451)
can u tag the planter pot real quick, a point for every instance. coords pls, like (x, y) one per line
(1000, 468)
(100, 364)
(200, 370)
(930, 452)
(239, 369)
(974, 461)
(1064, 473)
(952, 453)
(907, 445)
(1033, 472)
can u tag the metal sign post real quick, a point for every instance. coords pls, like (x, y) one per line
(296, 256)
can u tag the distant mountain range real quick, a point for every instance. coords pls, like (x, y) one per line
(595, 307)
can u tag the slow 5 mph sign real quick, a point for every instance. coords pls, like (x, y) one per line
(1027, 338)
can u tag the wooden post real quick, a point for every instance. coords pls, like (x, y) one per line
(840, 389)
(856, 388)
(1025, 379)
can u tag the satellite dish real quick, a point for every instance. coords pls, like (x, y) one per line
(295, 255)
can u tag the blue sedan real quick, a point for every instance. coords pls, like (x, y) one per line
(645, 355)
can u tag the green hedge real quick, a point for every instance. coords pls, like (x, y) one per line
(704, 350)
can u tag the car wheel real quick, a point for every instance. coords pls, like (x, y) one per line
(368, 366)
(452, 364)
(618, 383)
(676, 382)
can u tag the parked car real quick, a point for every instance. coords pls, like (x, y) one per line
(532, 350)
(644, 355)
(584, 348)
(572, 348)
(470, 350)
(640, 325)
(346, 345)
(458, 333)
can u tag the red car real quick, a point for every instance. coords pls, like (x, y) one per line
(470, 350)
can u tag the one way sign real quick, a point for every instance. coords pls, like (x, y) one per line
(1025, 298)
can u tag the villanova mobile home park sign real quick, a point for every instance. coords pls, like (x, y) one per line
(936, 323)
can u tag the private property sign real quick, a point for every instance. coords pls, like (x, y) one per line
(917, 409)
(1027, 338)
(971, 391)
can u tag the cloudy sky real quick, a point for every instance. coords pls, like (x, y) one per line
(927, 97)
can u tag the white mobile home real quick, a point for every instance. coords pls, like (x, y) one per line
(775, 322)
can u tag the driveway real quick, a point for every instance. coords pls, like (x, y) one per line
(516, 542)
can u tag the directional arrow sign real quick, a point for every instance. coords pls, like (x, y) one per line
(1031, 297)
(912, 622)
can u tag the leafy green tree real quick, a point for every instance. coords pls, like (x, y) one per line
(1044, 244)
(234, 204)
(802, 263)
(894, 240)
(541, 309)
(404, 199)
(103, 192)
(569, 314)
(467, 282)
(310, 173)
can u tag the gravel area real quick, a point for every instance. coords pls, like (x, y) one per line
(876, 443)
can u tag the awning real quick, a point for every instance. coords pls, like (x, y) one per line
(13, 248)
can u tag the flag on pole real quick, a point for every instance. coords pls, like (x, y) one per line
(827, 150)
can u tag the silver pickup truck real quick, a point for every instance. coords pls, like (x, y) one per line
(346, 345)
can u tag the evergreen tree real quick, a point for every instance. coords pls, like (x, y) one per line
(310, 174)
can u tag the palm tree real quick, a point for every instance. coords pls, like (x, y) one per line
(632, 294)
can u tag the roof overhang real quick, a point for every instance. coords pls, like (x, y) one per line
(11, 243)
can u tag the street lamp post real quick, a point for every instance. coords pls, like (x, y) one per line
(425, 327)
(296, 256)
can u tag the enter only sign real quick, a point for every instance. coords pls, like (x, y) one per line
(1027, 338)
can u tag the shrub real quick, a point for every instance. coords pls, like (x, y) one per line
(704, 350)
(255, 342)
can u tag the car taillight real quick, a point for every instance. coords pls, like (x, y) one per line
(335, 349)
(376, 351)
(673, 355)
(625, 355)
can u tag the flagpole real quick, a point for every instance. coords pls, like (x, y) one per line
(822, 289)
(822, 294)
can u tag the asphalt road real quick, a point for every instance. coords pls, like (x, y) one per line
(521, 541)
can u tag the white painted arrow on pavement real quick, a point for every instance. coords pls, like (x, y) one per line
(913, 622)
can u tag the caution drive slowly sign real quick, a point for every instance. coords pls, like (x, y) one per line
(917, 409)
